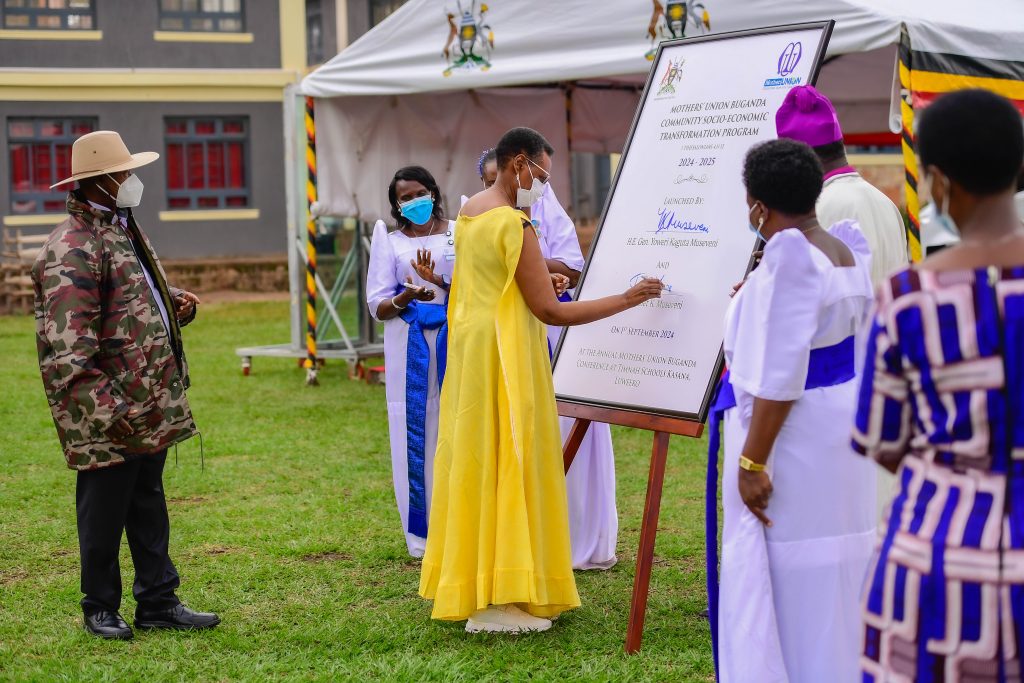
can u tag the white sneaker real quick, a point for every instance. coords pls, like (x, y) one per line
(505, 619)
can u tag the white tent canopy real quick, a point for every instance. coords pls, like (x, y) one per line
(390, 100)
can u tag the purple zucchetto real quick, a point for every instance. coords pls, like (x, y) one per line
(807, 115)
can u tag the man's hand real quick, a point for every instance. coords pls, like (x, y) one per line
(184, 305)
(122, 428)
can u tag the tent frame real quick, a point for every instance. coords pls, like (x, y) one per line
(343, 347)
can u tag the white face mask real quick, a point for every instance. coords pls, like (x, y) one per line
(942, 216)
(129, 193)
(760, 224)
(526, 198)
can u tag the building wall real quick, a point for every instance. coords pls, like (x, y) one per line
(141, 127)
(130, 76)
(884, 171)
(358, 18)
(339, 11)
(331, 47)
(128, 30)
(328, 25)
(360, 14)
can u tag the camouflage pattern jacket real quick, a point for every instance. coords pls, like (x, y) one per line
(103, 346)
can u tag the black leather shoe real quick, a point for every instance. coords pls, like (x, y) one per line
(107, 625)
(178, 617)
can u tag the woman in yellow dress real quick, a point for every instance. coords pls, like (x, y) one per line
(498, 552)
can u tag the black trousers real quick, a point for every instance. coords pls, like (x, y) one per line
(126, 497)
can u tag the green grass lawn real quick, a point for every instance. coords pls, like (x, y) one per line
(291, 534)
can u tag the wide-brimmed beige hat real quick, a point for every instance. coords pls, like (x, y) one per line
(102, 152)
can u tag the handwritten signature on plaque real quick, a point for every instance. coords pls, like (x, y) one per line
(667, 221)
(702, 178)
(667, 291)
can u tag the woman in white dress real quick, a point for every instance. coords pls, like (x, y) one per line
(407, 285)
(590, 482)
(799, 508)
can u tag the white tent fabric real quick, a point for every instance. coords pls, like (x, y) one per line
(539, 41)
(362, 143)
(988, 29)
(386, 101)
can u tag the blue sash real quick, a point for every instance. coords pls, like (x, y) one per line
(420, 317)
(827, 367)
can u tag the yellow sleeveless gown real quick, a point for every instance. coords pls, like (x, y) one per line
(498, 529)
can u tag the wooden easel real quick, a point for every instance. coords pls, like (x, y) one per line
(663, 428)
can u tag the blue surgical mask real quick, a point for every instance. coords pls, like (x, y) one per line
(755, 230)
(418, 210)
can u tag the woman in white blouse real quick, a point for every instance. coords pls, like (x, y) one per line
(799, 508)
(407, 289)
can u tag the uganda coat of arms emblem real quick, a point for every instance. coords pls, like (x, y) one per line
(672, 75)
(470, 39)
(669, 20)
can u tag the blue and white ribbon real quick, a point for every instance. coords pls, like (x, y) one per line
(827, 367)
(421, 317)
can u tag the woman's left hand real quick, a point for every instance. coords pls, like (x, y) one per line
(419, 292)
(755, 490)
(424, 266)
(739, 285)
(560, 283)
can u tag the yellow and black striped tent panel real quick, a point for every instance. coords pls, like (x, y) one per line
(926, 75)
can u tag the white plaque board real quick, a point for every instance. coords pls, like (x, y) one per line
(677, 211)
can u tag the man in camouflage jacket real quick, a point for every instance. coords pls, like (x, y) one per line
(114, 371)
(104, 351)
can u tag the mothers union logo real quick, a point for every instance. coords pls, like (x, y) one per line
(789, 59)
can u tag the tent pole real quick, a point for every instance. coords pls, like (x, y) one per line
(293, 171)
(329, 306)
(568, 116)
(909, 157)
(311, 278)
